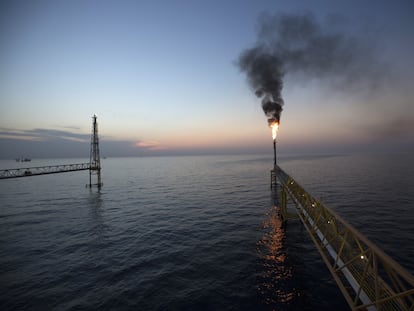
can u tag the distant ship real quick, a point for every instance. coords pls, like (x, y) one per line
(23, 159)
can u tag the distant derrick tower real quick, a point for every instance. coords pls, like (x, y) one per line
(95, 159)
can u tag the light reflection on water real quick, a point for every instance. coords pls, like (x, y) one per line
(275, 287)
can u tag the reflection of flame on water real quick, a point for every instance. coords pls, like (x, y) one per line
(277, 273)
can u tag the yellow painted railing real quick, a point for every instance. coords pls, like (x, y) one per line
(367, 277)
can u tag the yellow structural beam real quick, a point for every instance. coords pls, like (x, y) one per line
(367, 277)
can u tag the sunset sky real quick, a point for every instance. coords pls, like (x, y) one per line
(162, 77)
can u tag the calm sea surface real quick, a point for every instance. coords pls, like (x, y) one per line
(190, 233)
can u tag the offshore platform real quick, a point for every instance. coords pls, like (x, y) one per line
(94, 165)
(367, 277)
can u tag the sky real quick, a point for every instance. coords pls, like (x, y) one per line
(162, 78)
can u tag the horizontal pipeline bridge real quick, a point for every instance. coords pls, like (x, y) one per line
(44, 170)
(367, 277)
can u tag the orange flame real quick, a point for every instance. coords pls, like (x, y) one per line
(275, 128)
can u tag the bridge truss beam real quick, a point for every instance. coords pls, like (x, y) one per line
(367, 277)
(43, 170)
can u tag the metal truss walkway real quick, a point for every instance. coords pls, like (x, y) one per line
(367, 277)
(43, 170)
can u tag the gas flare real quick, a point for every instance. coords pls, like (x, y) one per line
(298, 44)
(275, 127)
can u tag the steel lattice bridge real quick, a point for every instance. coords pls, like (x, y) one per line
(94, 165)
(43, 170)
(367, 277)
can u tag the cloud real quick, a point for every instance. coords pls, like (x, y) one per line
(42, 135)
(70, 127)
(51, 143)
(150, 145)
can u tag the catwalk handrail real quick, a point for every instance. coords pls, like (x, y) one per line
(43, 170)
(368, 278)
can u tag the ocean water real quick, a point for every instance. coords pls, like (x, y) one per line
(190, 233)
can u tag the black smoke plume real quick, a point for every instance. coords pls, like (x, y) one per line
(297, 43)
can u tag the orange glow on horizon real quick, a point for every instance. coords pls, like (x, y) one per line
(212, 138)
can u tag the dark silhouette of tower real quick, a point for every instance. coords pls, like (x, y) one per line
(95, 159)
